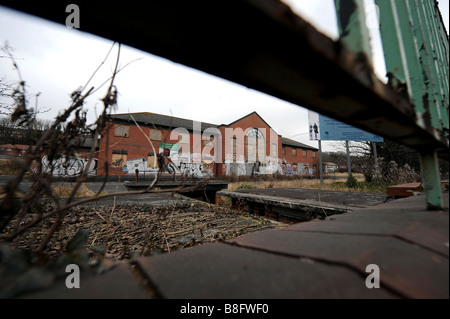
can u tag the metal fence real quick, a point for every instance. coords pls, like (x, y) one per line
(415, 46)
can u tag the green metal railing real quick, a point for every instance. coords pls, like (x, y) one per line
(415, 45)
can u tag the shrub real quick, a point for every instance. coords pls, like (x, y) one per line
(11, 167)
(246, 186)
(351, 182)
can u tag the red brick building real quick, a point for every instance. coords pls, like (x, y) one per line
(247, 146)
(298, 158)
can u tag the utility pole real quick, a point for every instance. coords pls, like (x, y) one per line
(349, 168)
(377, 169)
(320, 163)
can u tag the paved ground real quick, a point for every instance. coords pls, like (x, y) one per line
(351, 200)
(154, 199)
(316, 259)
(300, 204)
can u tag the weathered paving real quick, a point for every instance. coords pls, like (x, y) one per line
(317, 259)
(298, 203)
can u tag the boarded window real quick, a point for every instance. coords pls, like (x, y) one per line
(294, 152)
(121, 130)
(274, 150)
(255, 145)
(119, 158)
(208, 139)
(234, 146)
(152, 160)
(155, 135)
(183, 138)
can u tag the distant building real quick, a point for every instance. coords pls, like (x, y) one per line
(331, 167)
(171, 145)
(12, 150)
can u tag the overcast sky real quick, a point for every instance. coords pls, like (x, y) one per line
(55, 60)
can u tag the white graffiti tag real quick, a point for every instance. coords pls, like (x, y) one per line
(68, 167)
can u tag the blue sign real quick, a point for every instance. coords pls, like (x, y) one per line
(333, 130)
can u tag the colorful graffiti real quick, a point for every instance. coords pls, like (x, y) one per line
(237, 166)
(69, 167)
(296, 169)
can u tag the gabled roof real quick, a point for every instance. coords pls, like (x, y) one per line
(292, 143)
(150, 119)
(254, 112)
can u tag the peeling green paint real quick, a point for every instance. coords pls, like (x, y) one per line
(416, 51)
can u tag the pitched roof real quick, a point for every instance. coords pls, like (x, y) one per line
(151, 119)
(289, 142)
(254, 112)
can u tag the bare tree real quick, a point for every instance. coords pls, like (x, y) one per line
(54, 144)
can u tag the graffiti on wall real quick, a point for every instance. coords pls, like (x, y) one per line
(69, 167)
(296, 169)
(237, 166)
(184, 164)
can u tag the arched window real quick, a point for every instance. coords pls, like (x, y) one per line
(255, 145)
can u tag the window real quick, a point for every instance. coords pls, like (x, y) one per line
(183, 138)
(314, 154)
(233, 147)
(121, 130)
(274, 150)
(283, 150)
(305, 153)
(208, 139)
(119, 158)
(152, 161)
(294, 152)
(155, 135)
(255, 145)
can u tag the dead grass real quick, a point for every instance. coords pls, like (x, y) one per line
(10, 167)
(335, 182)
(133, 230)
(64, 190)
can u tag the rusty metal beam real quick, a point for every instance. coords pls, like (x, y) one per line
(261, 44)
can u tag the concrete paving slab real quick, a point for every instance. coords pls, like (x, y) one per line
(117, 283)
(350, 200)
(154, 199)
(300, 204)
(405, 268)
(404, 218)
(223, 271)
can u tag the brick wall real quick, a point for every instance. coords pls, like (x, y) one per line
(129, 149)
(293, 158)
(129, 143)
(271, 146)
